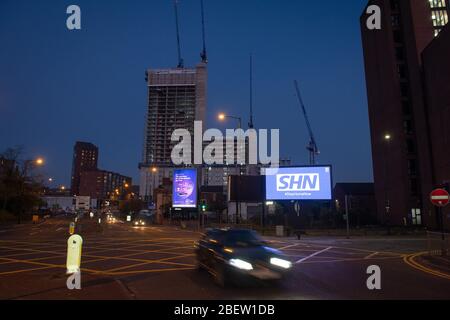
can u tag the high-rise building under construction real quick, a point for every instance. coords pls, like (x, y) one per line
(176, 98)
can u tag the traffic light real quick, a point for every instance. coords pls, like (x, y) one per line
(204, 206)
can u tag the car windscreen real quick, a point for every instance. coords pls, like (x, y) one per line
(241, 239)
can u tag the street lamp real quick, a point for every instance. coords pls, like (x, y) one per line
(28, 164)
(387, 139)
(39, 161)
(222, 117)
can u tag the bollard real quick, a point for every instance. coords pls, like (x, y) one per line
(74, 244)
(72, 228)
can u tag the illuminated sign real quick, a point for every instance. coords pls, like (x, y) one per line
(184, 193)
(302, 183)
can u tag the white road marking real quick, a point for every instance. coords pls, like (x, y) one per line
(313, 255)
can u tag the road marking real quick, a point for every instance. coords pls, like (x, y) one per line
(409, 260)
(291, 246)
(313, 255)
(371, 255)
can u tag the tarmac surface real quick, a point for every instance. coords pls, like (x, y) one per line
(120, 261)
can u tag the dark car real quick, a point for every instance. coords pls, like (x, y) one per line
(235, 256)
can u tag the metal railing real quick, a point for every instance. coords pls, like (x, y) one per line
(438, 244)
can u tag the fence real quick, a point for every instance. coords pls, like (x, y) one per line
(438, 244)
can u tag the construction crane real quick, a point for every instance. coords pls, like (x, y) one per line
(180, 59)
(312, 147)
(203, 54)
(250, 124)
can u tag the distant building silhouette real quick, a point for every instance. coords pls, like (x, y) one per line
(85, 158)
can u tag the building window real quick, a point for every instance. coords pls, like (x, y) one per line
(414, 187)
(416, 217)
(440, 18)
(410, 147)
(399, 53)
(406, 108)
(407, 126)
(394, 5)
(412, 167)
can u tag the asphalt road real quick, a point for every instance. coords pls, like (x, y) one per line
(123, 262)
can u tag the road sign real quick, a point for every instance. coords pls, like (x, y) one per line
(440, 198)
(73, 262)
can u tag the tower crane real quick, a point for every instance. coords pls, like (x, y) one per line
(180, 59)
(203, 54)
(312, 146)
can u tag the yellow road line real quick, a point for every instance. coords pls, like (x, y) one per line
(371, 255)
(410, 260)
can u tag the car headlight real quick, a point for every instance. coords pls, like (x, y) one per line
(241, 264)
(281, 263)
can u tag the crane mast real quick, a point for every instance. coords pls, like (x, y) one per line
(203, 54)
(312, 147)
(180, 59)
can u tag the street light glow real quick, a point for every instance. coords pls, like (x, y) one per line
(154, 170)
(387, 137)
(39, 161)
(222, 116)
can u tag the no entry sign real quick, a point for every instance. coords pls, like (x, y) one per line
(440, 197)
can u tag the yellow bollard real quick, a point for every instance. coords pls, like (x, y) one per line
(72, 228)
(73, 262)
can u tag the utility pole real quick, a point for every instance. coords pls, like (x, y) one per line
(347, 217)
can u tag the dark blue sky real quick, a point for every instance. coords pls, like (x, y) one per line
(58, 86)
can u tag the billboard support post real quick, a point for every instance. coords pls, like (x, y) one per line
(347, 217)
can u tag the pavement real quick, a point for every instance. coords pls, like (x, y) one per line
(157, 262)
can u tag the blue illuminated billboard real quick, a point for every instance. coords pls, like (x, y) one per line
(184, 193)
(302, 183)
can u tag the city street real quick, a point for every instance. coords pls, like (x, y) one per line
(157, 262)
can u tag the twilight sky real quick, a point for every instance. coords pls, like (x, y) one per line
(58, 86)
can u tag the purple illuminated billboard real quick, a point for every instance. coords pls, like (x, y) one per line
(184, 193)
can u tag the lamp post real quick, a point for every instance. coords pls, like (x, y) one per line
(154, 172)
(387, 139)
(222, 117)
(28, 165)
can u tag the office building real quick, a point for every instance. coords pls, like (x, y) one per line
(400, 137)
(85, 158)
(104, 185)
